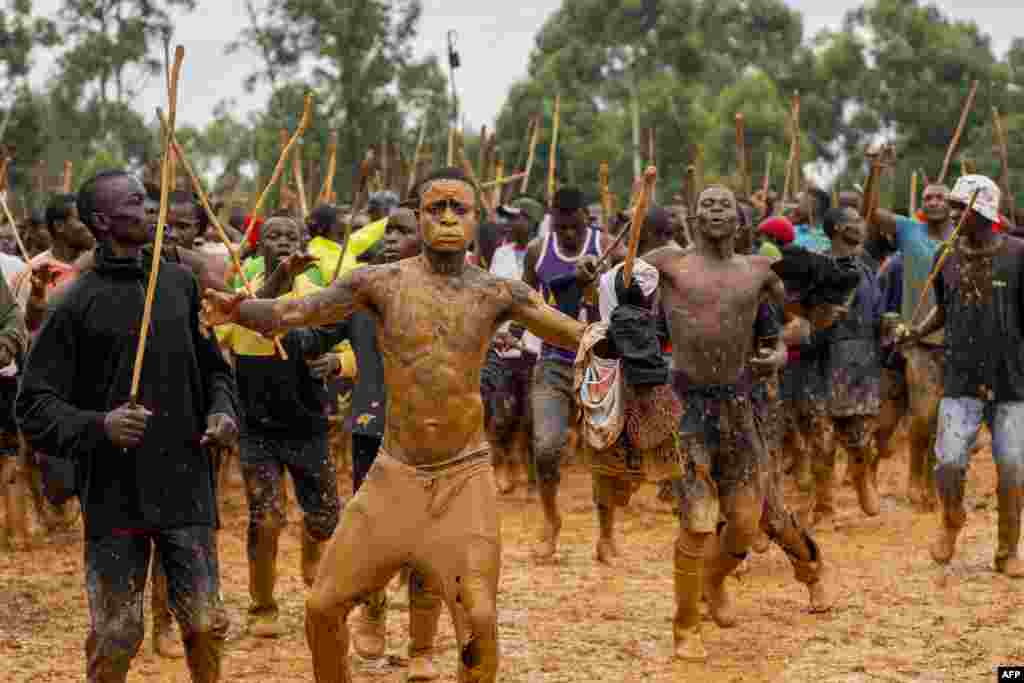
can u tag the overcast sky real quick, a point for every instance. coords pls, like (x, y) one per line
(494, 40)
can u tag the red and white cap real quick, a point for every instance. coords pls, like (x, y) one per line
(987, 203)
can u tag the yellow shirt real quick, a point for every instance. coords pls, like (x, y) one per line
(245, 342)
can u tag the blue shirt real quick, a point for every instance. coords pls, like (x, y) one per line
(812, 238)
(919, 250)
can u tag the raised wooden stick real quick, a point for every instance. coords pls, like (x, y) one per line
(1004, 154)
(959, 131)
(414, 170)
(766, 183)
(498, 182)
(161, 223)
(741, 154)
(637, 222)
(14, 226)
(361, 195)
(504, 180)
(327, 190)
(913, 194)
(307, 115)
(300, 183)
(530, 155)
(204, 200)
(553, 150)
(606, 210)
(451, 146)
(65, 182)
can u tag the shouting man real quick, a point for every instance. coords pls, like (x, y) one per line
(978, 299)
(711, 298)
(429, 498)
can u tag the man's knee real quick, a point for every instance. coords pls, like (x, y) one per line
(320, 524)
(117, 639)
(207, 620)
(743, 524)
(548, 460)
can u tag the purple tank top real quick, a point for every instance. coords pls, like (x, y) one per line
(554, 266)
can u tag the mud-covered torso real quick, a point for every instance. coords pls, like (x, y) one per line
(711, 308)
(433, 334)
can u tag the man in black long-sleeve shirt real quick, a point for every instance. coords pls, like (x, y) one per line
(145, 477)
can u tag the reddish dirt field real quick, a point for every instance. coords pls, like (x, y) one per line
(897, 617)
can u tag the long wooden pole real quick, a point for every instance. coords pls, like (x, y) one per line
(955, 142)
(204, 200)
(1004, 155)
(637, 222)
(530, 155)
(327, 190)
(553, 155)
(606, 209)
(913, 193)
(300, 183)
(362, 183)
(414, 170)
(307, 115)
(161, 223)
(741, 154)
(65, 183)
(14, 227)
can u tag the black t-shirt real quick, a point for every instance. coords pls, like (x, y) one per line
(369, 397)
(985, 338)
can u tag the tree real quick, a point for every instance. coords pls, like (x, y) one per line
(356, 55)
(681, 67)
(109, 56)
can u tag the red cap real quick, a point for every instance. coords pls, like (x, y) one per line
(778, 227)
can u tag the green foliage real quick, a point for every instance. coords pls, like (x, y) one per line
(356, 56)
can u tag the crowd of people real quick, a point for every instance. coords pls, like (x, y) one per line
(447, 353)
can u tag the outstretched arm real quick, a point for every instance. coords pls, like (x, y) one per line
(273, 317)
(528, 309)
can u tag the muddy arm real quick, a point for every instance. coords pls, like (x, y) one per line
(272, 317)
(529, 310)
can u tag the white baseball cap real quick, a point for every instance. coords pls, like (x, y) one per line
(987, 203)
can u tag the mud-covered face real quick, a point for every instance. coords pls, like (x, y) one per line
(448, 217)
(716, 213)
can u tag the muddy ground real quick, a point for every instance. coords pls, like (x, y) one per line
(897, 617)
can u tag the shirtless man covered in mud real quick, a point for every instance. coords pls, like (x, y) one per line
(711, 297)
(429, 499)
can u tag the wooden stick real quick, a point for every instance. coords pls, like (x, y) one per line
(467, 166)
(766, 183)
(959, 131)
(606, 211)
(741, 154)
(530, 155)
(300, 184)
(504, 180)
(637, 222)
(798, 184)
(451, 146)
(161, 223)
(204, 200)
(414, 171)
(1004, 156)
(498, 182)
(307, 115)
(481, 170)
(913, 194)
(553, 151)
(65, 182)
(14, 228)
(361, 195)
(327, 190)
